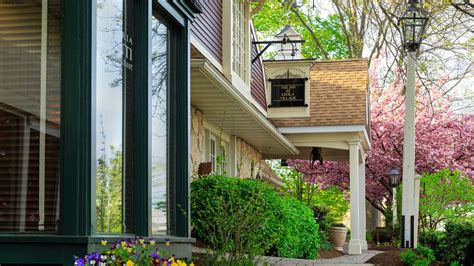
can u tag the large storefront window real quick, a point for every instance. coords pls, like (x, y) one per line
(159, 122)
(30, 107)
(111, 94)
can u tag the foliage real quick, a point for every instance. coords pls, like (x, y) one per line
(435, 241)
(423, 256)
(453, 245)
(328, 31)
(299, 231)
(227, 213)
(371, 29)
(109, 192)
(131, 252)
(445, 196)
(459, 243)
(329, 205)
(335, 201)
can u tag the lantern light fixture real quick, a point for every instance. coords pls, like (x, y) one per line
(394, 177)
(413, 22)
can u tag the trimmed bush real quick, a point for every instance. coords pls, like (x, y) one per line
(459, 243)
(244, 216)
(455, 244)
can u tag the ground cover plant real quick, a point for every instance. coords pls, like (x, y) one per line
(422, 256)
(243, 218)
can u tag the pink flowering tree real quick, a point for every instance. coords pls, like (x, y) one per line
(444, 140)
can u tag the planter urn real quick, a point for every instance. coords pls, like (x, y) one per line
(337, 236)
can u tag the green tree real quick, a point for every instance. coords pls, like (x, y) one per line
(109, 193)
(445, 196)
(109, 189)
(330, 201)
(324, 38)
(371, 29)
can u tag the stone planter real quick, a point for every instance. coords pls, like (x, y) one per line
(337, 236)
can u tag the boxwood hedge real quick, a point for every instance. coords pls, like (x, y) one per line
(248, 216)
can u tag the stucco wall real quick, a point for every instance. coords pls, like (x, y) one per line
(197, 139)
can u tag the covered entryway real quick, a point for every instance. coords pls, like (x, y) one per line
(325, 105)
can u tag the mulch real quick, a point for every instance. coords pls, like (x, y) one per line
(330, 254)
(389, 257)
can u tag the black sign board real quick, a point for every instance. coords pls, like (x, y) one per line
(288, 92)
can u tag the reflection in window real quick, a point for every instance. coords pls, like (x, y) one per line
(159, 123)
(30, 106)
(109, 116)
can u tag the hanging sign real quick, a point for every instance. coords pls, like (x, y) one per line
(288, 92)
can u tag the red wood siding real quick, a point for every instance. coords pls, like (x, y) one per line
(257, 84)
(207, 27)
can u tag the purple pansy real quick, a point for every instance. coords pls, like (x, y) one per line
(79, 261)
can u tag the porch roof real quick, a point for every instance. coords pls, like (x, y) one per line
(224, 106)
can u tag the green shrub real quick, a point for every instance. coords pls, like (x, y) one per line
(454, 245)
(408, 257)
(244, 216)
(422, 256)
(446, 196)
(459, 243)
(435, 241)
(299, 232)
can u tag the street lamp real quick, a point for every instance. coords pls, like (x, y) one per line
(394, 177)
(413, 23)
(394, 182)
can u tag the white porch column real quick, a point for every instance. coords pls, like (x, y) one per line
(362, 210)
(354, 246)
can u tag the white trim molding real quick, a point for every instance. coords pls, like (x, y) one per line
(327, 129)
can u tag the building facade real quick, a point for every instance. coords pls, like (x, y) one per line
(246, 110)
(108, 108)
(94, 121)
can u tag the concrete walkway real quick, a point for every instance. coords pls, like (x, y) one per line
(339, 261)
(343, 260)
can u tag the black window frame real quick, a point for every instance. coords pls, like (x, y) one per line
(76, 234)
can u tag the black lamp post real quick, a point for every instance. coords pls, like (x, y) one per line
(413, 23)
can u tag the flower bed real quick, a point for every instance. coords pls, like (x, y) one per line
(131, 252)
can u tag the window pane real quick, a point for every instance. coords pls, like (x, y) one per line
(30, 56)
(159, 122)
(109, 116)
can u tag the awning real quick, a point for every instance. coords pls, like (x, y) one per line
(225, 107)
